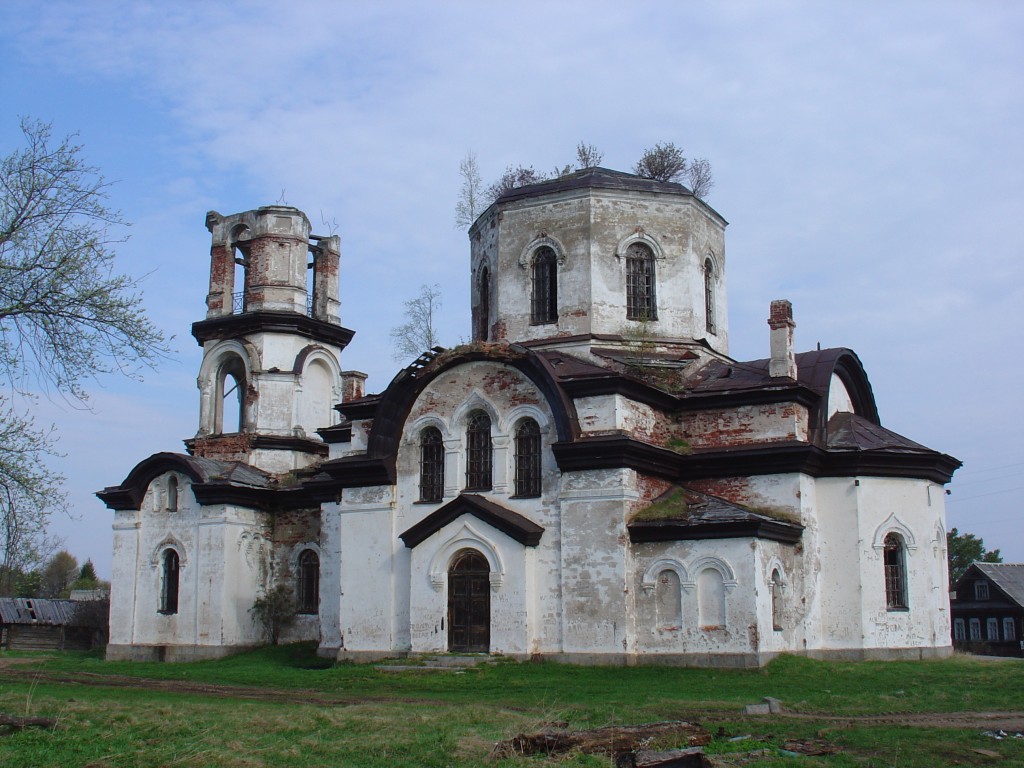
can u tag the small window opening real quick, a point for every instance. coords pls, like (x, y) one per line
(172, 493)
(544, 299)
(709, 296)
(641, 303)
(894, 556)
(169, 582)
(478, 455)
(981, 590)
(528, 459)
(431, 465)
(776, 600)
(308, 591)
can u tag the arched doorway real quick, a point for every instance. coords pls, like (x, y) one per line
(469, 603)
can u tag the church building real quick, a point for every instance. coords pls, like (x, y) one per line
(592, 479)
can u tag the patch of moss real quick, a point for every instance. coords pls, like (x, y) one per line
(672, 507)
(678, 445)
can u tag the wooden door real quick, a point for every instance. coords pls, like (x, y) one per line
(469, 604)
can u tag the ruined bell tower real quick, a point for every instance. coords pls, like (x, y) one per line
(272, 340)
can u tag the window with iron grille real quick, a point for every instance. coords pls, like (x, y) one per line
(544, 301)
(528, 458)
(895, 573)
(308, 592)
(171, 565)
(709, 295)
(478, 453)
(431, 465)
(640, 299)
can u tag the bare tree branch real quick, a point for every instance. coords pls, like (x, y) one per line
(418, 333)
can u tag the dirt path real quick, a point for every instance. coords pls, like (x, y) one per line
(21, 669)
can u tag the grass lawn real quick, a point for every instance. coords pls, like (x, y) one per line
(283, 707)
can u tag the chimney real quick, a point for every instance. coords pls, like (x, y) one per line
(780, 320)
(352, 385)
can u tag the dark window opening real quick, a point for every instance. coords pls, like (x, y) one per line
(709, 295)
(483, 314)
(528, 459)
(894, 556)
(981, 590)
(544, 300)
(172, 493)
(308, 591)
(776, 600)
(171, 566)
(641, 303)
(478, 454)
(431, 465)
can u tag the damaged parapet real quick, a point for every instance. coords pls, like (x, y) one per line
(783, 359)
(267, 260)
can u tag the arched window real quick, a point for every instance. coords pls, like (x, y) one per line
(544, 300)
(172, 493)
(776, 600)
(641, 303)
(895, 559)
(669, 598)
(431, 465)
(528, 458)
(308, 587)
(478, 452)
(483, 315)
(170, 566)
(711, 599)
(709, 295)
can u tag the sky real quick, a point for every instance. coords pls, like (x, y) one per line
(868, 157)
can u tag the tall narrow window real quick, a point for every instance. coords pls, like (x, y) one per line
(959, 632)
(640, 299)
(170, 566)
(544, 301)
(431, 465)
(776, 600)
(172, 494)
(308, 587)
(483, 314)
(478, 453)
(528, 458)
(1009, 628)
(975, 625)
(709, 295)
(895, 573)
(992, 629)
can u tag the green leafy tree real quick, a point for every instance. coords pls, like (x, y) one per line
(963, 549)
(66, 315)
(274, 612)
(60, 571)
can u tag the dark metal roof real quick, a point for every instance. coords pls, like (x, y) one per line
(850, 432)
(520, 528)
(1009, 577)
(595, 178)
(16, 610)
(681, 513)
